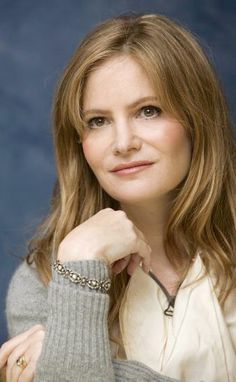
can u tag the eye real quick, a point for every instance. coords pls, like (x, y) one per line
(95, 122)
(150, 111)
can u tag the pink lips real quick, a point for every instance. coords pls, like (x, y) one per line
(131, 167)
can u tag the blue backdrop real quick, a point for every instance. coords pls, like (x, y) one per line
(36, 40)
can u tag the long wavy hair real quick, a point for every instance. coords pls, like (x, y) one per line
(203, 212)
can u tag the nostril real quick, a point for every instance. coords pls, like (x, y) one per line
(124, 146)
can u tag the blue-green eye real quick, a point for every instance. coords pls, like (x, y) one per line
(95, 122)
(150, 111)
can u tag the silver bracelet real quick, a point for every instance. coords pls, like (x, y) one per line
(76, 278)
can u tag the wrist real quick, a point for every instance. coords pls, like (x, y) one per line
(88, 274)
(69, 254)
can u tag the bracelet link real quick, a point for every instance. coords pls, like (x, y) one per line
(76, 278)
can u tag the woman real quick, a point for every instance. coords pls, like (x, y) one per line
(145, 199)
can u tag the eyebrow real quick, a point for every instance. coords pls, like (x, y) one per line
(131, 106)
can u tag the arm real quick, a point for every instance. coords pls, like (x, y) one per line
(26, 303)
(76, 345)
(26, 313)
(68, 337)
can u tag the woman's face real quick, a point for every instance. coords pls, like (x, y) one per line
(137, 152)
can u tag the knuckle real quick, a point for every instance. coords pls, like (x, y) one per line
(10, 360)
(39, 335)
(39, 327)
(120, 213)
(105, 210)
(130, 225)
(127, 225)
(133, 236)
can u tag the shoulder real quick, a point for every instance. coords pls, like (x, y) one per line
(26, 303)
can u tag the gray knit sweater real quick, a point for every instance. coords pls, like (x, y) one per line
(76, 345)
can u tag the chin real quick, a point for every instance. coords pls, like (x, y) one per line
(136, 197)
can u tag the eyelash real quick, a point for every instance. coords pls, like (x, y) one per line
(157, 109)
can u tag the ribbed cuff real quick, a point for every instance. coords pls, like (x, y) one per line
(92, 269)
(76, 341)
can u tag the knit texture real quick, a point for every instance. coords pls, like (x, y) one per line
(76, 345)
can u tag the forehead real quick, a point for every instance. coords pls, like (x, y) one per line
(118, 79)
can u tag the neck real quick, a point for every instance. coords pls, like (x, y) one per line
(151, 220)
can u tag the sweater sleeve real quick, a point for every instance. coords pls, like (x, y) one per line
(76, 345)
(26, 303)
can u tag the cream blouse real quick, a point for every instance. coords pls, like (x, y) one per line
(196, 344)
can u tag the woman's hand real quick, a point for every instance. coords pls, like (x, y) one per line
(27, 344)
(109, 235)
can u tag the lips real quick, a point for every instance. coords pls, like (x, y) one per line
(123, 166)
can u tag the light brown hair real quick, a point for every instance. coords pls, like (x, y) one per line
(203, 212)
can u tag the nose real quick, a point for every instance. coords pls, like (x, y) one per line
(126, 139)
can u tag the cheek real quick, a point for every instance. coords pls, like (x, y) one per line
(90, 153)
(181, 152)
(94, 154)
(175, 141)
